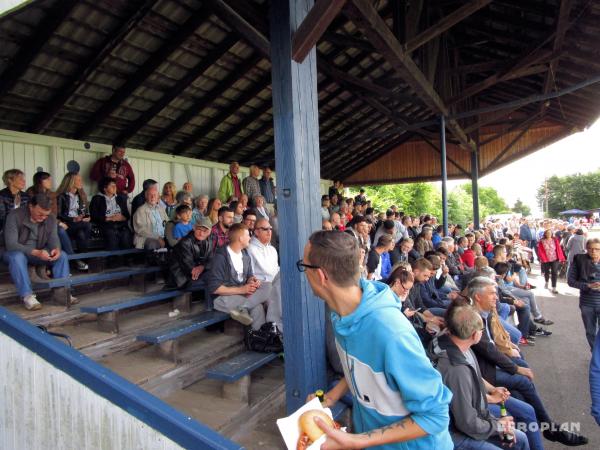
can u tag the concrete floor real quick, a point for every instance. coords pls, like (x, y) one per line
(561, 362)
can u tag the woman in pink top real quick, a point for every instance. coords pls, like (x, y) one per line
(551, 256)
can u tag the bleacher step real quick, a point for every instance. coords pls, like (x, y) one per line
(239, 366)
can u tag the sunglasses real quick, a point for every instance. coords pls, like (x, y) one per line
(302, 267)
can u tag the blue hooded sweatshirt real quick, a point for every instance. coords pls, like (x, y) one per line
(388, 372)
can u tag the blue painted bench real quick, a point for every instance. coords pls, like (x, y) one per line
(69, 282)
(235, 373)
(108, 314)
(167, 337)
(105, 253)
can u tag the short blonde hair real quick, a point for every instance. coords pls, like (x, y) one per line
(10, 175)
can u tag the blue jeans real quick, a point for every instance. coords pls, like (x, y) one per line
(523, 388)
(524, 415)
(529, 298)
(513, 332)
(65, 241)
(503, 310)
(462, 442)
(17, 266)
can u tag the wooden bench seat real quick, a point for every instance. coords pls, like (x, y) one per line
(167, 337)
(235, 373)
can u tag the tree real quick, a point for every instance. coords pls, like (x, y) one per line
(490, 201)
(578, 191)
(521, 208)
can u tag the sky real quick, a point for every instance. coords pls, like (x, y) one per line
(578, 153)
(5, 5)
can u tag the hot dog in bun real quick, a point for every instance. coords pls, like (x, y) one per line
(309, 430)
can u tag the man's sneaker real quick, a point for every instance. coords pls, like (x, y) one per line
(543, 321)
(565, 437)
(555, 291)
(31, 303)
(531, 338)
(524, 341)
(546, 285)
(81, 266)
(241, 315)
(539, 331)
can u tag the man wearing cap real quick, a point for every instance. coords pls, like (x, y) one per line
(191, 255)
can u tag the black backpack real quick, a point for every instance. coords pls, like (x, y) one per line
(267, 339)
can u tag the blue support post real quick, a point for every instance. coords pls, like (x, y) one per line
(296, 126)
(444, 173)
(475, 185)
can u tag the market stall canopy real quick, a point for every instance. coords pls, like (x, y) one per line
(574, 212)
(193, 78)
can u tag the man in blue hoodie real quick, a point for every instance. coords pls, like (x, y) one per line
(399, 400)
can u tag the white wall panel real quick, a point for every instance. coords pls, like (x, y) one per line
(29, 151)
(43, 408)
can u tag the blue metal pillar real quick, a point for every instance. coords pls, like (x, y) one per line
(444, 173)
(296, 126)
(475, 185)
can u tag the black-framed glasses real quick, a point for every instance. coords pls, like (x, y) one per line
(265, 228)
(302, 267)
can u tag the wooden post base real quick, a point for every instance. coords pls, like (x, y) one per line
(238, 390)
(108, 321)
(169, 350)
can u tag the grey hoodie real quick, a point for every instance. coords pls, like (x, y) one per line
(468, 409)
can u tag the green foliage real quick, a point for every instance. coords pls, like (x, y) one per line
(521, 208)
(419, 198)
(571, 191)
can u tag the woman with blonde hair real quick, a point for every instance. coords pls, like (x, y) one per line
(168, 198)
(212, 211)
(72, 209)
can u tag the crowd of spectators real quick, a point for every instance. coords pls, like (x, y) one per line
(458, 293)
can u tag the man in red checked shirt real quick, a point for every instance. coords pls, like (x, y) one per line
(116, 167)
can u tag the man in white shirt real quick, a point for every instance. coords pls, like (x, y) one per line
(239, 292)
(265, 264)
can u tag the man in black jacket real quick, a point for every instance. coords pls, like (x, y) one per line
(191, 255)
(239, 292)
(513, 373)
(584, 274)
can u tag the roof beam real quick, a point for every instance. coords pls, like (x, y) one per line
(213, 122)
(29, 50)
(201, 103)
(238, 23)
(562, 25)
(344, 77)
(366, 17)
(444, 24)
(348, 41)
(313, 26)
(154, 61)
(138, 12)
(192, 74)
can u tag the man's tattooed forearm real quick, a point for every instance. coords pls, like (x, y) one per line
(401, 424)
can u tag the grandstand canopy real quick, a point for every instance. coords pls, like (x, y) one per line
(193, 78)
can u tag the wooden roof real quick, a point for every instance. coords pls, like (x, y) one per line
(192, 78)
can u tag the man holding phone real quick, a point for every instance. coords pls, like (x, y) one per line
(116, 167)
(584, 274)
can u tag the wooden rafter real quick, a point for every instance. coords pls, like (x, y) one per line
(444, 24)
(366, 17)
(173, 92)
(247, 95)
(561, 30)
(313, 26)
(205, 101)
(344, 77)
(30, 49)
(450, 159)
(238, 23)
(148, 68)
(138, 12)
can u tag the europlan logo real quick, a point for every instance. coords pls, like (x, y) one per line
(573, 427)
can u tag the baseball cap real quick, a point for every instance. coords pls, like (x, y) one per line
(204, 222)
